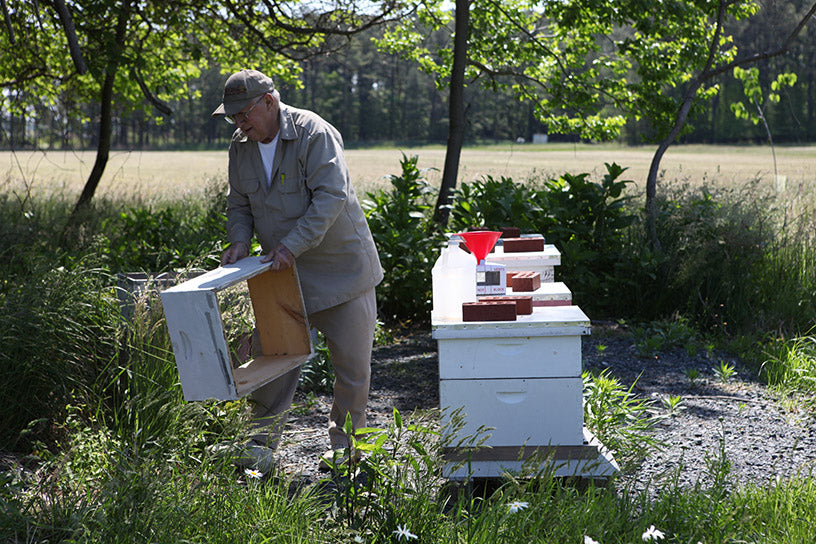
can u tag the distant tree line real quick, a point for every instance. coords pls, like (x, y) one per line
(373, 97)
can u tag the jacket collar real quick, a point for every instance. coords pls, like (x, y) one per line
(287, 130)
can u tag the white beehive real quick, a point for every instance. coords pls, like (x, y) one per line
(522, 380)
(197, 331)
(543, 262)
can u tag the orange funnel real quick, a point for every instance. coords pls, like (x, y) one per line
(480, 242)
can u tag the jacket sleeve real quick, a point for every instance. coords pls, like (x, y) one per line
(327, 179)
(240, 224)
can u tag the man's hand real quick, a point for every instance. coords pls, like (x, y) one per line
(235, 252)
(281, 258)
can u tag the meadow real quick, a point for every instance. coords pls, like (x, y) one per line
(173, 174)
(98, 445)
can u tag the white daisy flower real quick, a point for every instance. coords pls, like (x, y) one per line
(652, 534)
(515, 506)
(403, 531)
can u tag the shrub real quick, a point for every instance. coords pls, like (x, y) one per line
(493, 204)
(171, 237)
(407, 243)
(713, 239)
(588, 223)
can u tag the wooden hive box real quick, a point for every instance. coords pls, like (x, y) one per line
(197, 330)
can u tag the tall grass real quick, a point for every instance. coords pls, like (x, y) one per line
(60, 326)
(733, 260)
(101, 490)
(57, 329)
(790, 367)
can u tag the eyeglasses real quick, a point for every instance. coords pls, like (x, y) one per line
(241, 115)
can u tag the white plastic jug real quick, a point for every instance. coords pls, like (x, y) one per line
(454, 282)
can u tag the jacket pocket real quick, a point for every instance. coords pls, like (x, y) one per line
(294, 196)
(247, 185)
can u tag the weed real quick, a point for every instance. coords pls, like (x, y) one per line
(693, 375)
(304, 407)
(619, 419)
(664, 334)
(317, 374)
(393, 480)
(724, 371)
(673, 404)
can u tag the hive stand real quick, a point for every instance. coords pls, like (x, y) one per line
(197, 330)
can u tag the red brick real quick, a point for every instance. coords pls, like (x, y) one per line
(518, 245)
(504, 310)
(510, 232)
(510, 279)
(524, 303)
(526, 281)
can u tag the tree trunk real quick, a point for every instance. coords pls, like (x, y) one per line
(654, 168)
(456, 113)
(103, 143)
(105, 117)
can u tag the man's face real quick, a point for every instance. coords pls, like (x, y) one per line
(259, 119)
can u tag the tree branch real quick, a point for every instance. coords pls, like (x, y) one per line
(153, 99)
(568, 75)
(782, 49)
(533, 38)
(70, 34)
(280, 48)
(319, 25)
(331, 23)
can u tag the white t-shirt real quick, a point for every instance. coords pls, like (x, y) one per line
(268, 157)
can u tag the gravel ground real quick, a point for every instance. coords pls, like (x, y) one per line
(762, 439)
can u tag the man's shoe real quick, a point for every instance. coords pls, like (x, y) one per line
(336, 458)
(249, 455)
(258, 457)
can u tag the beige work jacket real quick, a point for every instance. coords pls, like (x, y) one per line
(308, 205)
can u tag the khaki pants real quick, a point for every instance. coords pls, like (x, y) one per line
(349, 332)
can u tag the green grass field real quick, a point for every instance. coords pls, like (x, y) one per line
(169, 174)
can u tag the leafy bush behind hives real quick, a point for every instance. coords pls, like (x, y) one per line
(407, 243)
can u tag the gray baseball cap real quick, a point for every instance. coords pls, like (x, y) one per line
(240, 88)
